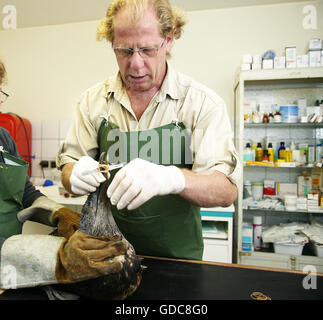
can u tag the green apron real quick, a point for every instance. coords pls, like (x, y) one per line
(13, 175)
(169, 225)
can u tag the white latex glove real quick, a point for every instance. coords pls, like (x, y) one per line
(141, 180)
(85, 178)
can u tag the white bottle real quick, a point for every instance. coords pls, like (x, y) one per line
(257, 232)
(318, 152)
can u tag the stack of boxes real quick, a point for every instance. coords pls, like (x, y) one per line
(313, 58)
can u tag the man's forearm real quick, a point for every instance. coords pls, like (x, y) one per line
(209, 189)
(66, 174)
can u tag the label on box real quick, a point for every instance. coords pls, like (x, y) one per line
(315, 44)
(269, 187)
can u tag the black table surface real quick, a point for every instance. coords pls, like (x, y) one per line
(177, 279)
(169, 279)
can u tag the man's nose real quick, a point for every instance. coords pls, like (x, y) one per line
(136, 61)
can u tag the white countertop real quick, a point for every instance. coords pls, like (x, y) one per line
(52, 193)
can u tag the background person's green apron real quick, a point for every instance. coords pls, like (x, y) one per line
(167, 225)
(13, 175)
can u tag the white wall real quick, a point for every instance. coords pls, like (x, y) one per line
(50, 66)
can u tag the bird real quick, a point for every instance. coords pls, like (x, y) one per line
(97, 220)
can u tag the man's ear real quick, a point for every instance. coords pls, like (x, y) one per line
(169, 44)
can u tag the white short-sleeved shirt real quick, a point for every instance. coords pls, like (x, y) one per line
(180, 98)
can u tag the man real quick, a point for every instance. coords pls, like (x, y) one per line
(155, 203)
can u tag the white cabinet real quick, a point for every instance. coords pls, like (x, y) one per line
(282, 87)
(217, 233)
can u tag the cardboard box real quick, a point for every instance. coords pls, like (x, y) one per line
(256, 66)
(245, 66)
(279, 63)
(286, 188)
(268, 64)
(315, 44)
(291, 56)
(314, 58)
(302, 61)
(269, 187)
(247, 235)
(317, 177)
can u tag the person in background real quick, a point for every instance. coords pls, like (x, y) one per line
(19, 199)
(155, 199)
(69, 257)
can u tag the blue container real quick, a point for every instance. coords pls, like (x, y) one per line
(289, 113)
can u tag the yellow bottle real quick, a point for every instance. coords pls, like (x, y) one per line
(283, 154)
(259, 152)
(271, 152)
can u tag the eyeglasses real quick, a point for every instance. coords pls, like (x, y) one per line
(3, 96)
(146, 52)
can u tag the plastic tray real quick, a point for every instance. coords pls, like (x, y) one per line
(288, 248)
(318, 249)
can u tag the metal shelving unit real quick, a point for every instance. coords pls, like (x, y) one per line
(281, 86)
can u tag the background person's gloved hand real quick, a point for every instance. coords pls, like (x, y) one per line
(141, 180)
(85, 257)
(84, 177)
(51, 213)
(29, 260)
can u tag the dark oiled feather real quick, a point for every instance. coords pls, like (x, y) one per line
(97, 220)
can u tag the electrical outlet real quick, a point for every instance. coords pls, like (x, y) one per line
(53, 164)
(44, 164)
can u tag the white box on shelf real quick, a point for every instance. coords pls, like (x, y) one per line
(268, 64)
(314, 58)
(302, 61)
(290, 54)
(279, 63)
(245, 66)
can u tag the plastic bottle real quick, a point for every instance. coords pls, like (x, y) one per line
(277, 116)
(247, 189)
(292, 149)
(247, 153)
(282, 151)
(271, 117)
(257, 232)
(253, 149)
(271, 152)
(288, 155)
(318, 152)
(259, 152)
(265, 118)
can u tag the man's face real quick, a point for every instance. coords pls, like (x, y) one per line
(139, 73)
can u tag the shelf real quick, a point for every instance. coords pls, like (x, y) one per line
(282, 77)
(282, 211)
(274, 167)
(285, 125)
